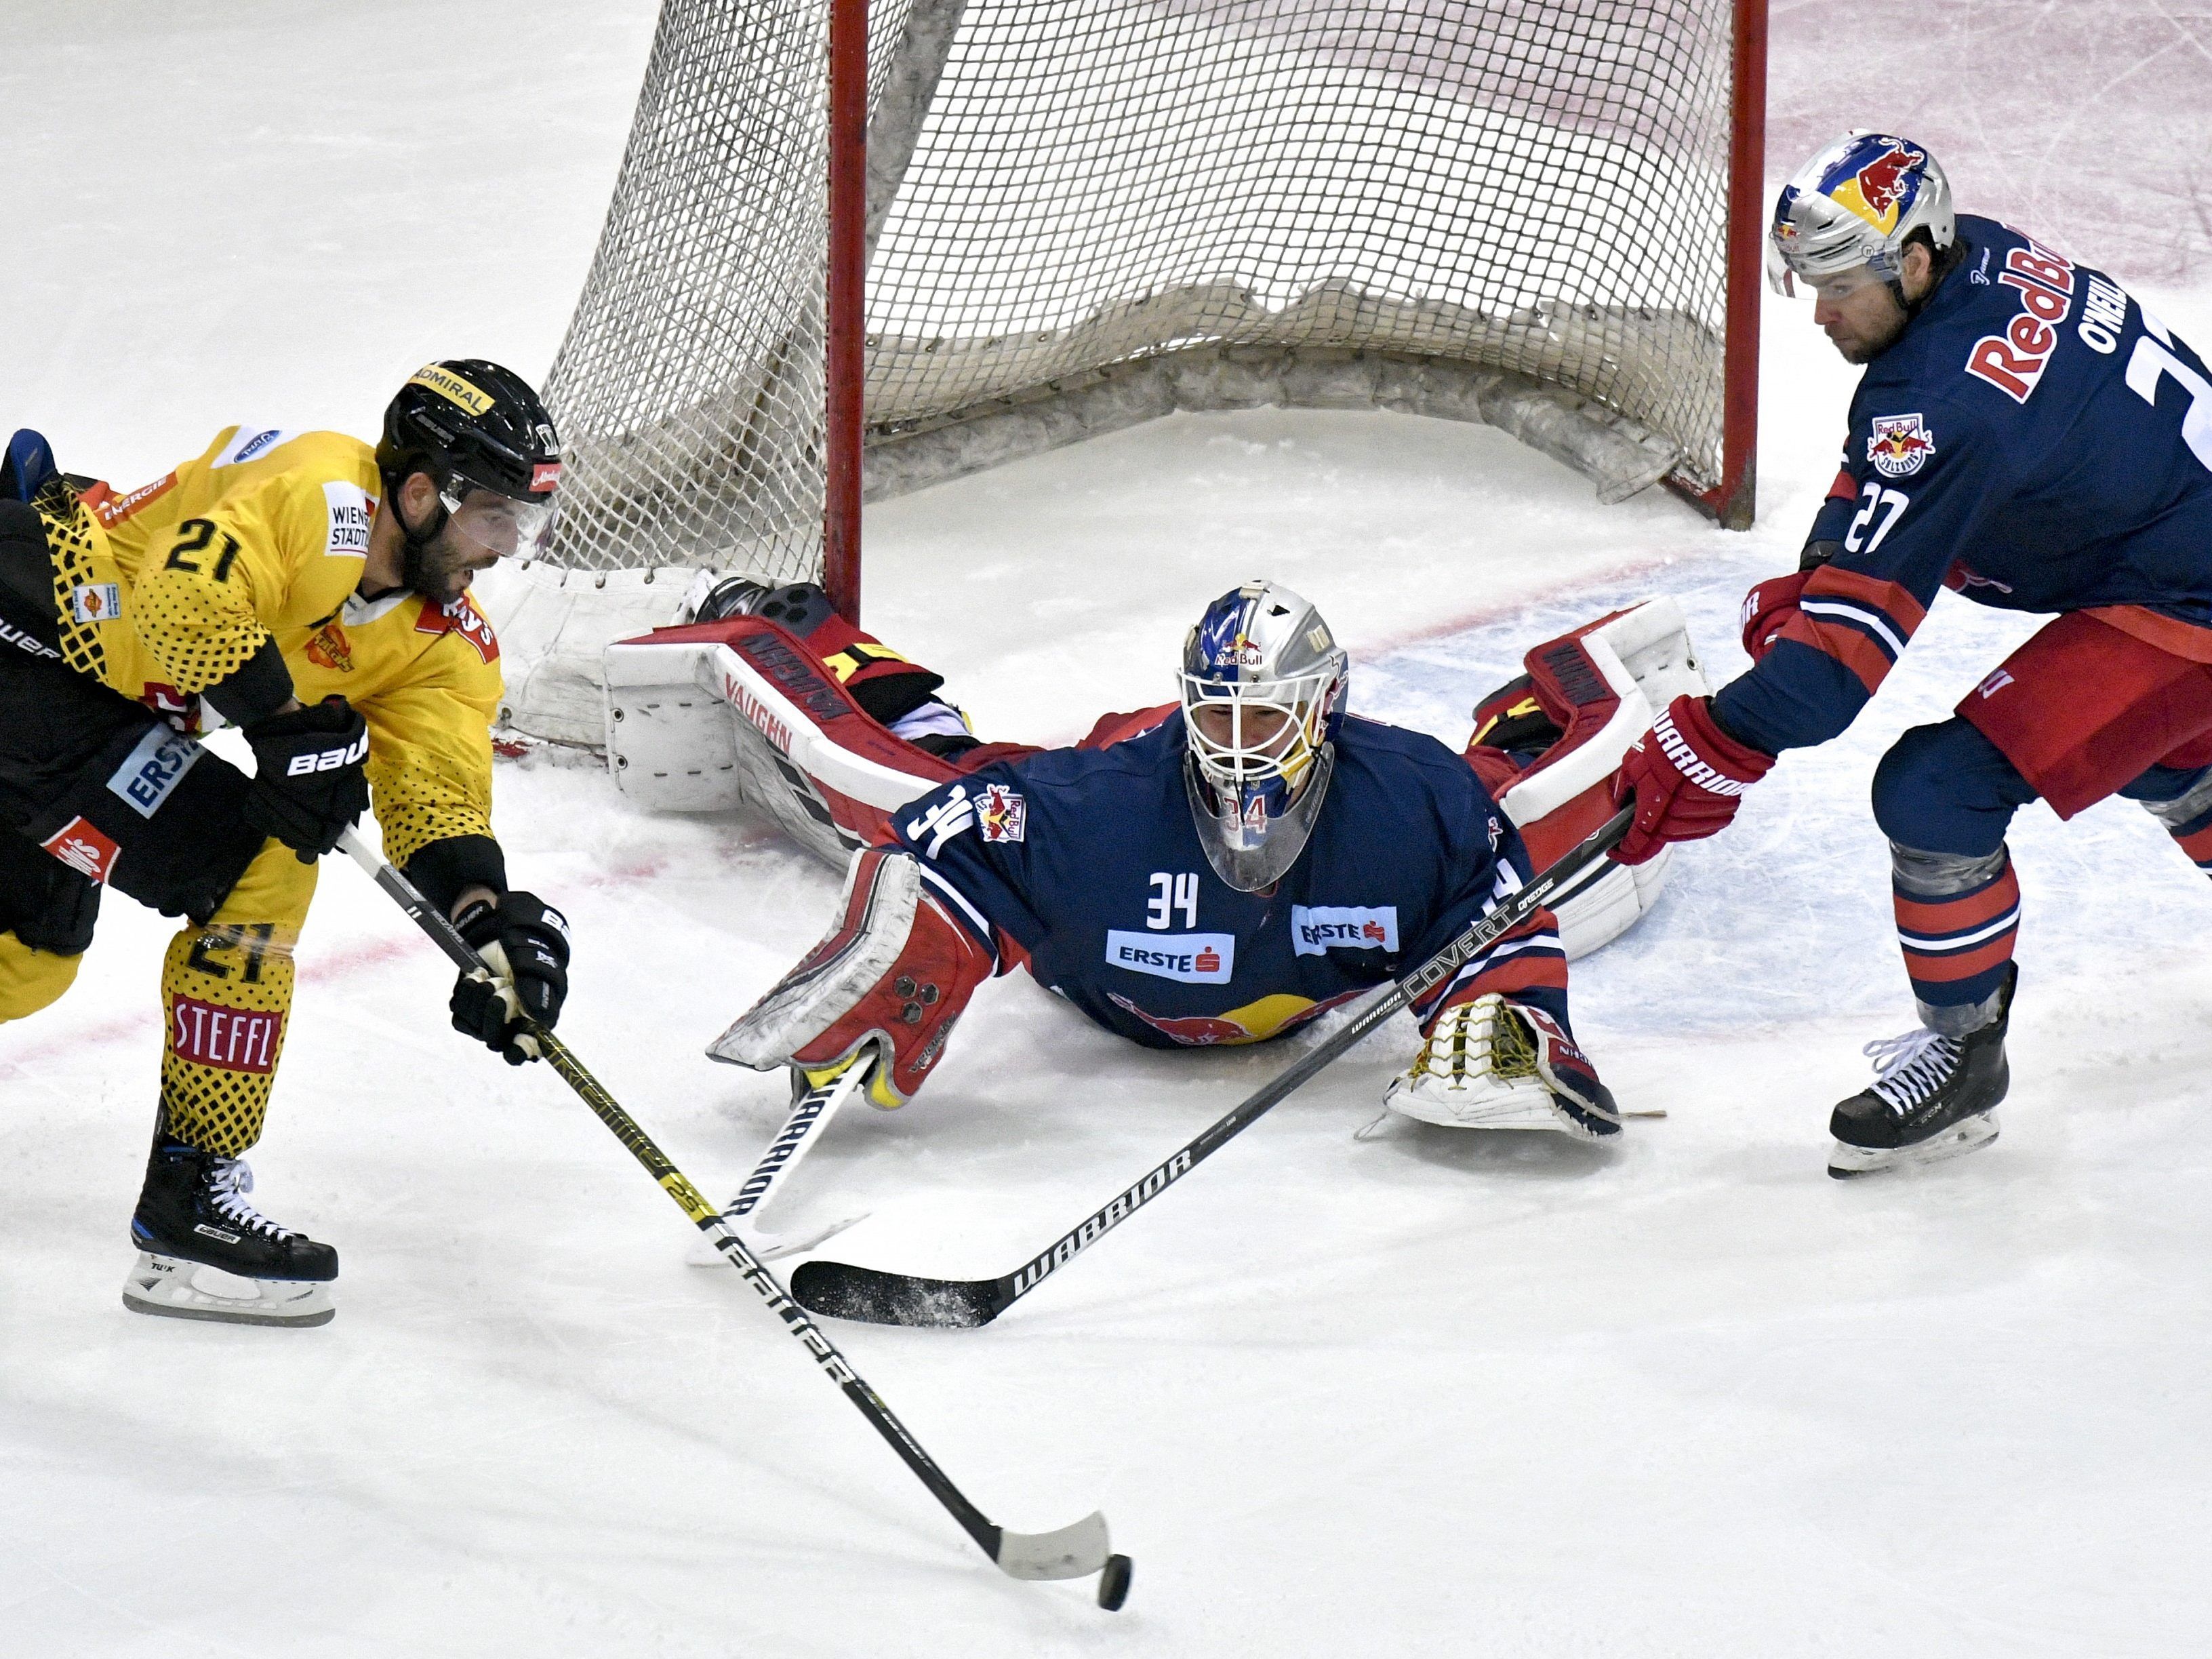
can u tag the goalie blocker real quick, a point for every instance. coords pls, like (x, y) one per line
(751, 711)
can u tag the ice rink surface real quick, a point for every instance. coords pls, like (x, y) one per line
(1432, 1393)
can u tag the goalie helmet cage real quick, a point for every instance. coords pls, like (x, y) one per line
(1071, 215)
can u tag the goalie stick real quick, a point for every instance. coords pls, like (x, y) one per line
(839, 1290)
(810, 1116)
(1073, 1551)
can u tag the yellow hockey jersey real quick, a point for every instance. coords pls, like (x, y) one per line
(171, 588)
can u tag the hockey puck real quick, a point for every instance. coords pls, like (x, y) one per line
(1114, 1583)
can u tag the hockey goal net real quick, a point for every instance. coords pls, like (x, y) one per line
(1074, 214)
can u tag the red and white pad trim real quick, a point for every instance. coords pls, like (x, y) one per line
(1601, 683)
(717, 716)
(890, 977)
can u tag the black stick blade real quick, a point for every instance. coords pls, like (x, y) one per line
(837, 1290)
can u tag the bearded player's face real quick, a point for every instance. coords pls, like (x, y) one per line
(1859, 314)
(450, 563)
(1859, 311)
(450, 559)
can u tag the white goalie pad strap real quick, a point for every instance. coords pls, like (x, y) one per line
(1598, 911)
(875, 919)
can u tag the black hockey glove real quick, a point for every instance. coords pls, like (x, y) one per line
(309, 784)
(524, 942)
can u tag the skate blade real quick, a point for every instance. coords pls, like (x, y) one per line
(769, 1246)
(170, 1287)
(1968, 1134)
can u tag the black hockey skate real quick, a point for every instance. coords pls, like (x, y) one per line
(206, 1253)
(1935, 1097)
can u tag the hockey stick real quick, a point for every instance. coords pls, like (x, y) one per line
(1073, 1551)
(810, 1116)
(838, 1290)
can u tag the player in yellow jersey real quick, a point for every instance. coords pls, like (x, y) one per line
(315, 593)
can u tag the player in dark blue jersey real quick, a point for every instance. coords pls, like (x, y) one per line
(2025, 433)
(1254, 859)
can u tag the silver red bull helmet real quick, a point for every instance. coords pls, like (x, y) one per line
(1263, 682)
(1842, 220)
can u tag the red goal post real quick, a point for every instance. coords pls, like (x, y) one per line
(853, 251)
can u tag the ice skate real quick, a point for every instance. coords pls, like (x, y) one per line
(1933, 1098)
(204, 1252)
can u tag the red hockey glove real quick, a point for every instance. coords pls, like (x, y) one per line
(1768, 608)
(1687, 775)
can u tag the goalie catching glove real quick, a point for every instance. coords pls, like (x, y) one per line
(1491, 1064)
(889, 978)
(525, 943)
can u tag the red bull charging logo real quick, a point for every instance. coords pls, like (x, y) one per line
(1878, 190)
(1255, 1022)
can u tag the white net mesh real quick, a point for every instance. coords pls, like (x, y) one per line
(1417, 202)
(1540, 188)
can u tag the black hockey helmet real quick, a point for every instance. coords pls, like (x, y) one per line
(473, 425)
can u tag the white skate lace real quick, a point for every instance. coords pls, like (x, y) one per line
(230, 1179)
(1909, 1068)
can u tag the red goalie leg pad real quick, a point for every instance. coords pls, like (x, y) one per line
(908, 1014)
(888, 980)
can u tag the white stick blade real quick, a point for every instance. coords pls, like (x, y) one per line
(770, 1246)
(1075, 1552)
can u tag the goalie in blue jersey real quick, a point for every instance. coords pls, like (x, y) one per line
(1254, 858)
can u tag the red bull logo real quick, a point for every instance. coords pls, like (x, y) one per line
(1004, 813)
(1241, 653)
(1899, 444)
(1255, 1022)
(1879, 190)
(2013, 362)
(1881, 181)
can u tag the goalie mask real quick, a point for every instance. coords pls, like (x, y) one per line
(1263, 684)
